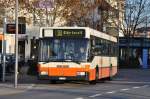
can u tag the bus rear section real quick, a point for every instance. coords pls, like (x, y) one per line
(73, 54)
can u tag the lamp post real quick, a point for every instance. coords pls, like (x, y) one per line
(4, 50)
(16, 46)
(118, 28)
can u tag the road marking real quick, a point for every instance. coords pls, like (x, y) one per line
(111, 92)
(79, 98)
(95, 95)
(135, 87)
(145, 86)
(130, 82)
(31, 86)
(125, 89)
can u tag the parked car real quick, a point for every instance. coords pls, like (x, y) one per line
(10, 63)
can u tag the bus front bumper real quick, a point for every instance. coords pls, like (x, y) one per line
(78, 77)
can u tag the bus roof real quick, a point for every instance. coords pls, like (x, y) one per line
(89, 32)
(102, 35)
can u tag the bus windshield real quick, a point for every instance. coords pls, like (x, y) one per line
(65, 49)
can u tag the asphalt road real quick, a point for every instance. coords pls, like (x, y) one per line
(128, 84)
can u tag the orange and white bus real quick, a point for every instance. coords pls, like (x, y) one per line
(76, 53)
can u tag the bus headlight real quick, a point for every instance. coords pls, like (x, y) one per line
(81, 73)
(44, 73)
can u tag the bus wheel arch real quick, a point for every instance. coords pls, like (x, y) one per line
(92, 82)
(53, 81)
(96, 72)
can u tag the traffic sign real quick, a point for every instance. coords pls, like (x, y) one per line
(11, 28)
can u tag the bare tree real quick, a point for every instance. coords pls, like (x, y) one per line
(3, 12)
(135, 16)
(52, 11)
(75, 12)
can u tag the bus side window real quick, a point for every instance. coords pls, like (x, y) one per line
(90, 55)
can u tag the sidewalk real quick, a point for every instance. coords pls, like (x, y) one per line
(25, 82)
(141, 75)
(7, 88)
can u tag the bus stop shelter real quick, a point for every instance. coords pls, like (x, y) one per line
(134, 52)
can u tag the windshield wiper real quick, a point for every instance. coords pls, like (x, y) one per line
(77, 62)
(68, 60)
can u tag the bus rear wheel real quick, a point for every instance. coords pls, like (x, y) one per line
(109, 78)
(93, 82)
(53, 81)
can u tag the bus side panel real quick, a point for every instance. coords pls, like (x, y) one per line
(108, 67)
(100, 72)
(114, 64)
(95, 62)
(92, 74)
(104, 72)
(114, 70)
(107, 71)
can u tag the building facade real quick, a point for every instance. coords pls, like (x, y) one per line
(143, 32)
(134, 52)
(100, 15)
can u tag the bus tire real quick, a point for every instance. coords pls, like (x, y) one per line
(53, 81)
(97, 73)
(96, 76)
(109, 78)
(38, 77)
(93, 82)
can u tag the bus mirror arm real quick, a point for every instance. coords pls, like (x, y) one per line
(90, 56)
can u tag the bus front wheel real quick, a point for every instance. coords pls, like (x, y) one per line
(53, 81)
(93, 82)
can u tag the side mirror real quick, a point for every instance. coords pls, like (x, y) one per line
(96, 50)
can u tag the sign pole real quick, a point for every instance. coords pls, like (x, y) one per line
(4, 50)
(16, 46)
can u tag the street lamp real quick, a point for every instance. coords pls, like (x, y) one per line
(4, 50)
(16, 46)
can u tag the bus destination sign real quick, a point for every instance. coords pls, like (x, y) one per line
(74, 33)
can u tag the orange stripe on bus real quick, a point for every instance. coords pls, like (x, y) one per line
(1, 36)
(103, 71)
(53, 71)
(92, 74)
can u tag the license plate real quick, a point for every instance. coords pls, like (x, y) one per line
(62, 78)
